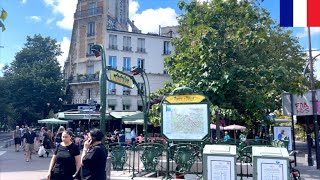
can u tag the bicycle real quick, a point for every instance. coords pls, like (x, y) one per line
(294, 173)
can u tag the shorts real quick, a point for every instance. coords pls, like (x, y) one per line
(17, 141)
(29, 147)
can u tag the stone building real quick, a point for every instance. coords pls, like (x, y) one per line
(107, 22)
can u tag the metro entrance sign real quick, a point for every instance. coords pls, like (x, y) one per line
(120, 78)
(185, 117)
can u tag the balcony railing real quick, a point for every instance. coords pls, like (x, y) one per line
(141, 50)
(126, 92)
(91, 34)
(127, 48)
(86, 78)
(112, 91)
(89, 12)
(111, 46)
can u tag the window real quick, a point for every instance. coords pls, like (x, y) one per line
(141, 88)
(113, 62)
(141, 63)
(90, 69)
(88, 93)
(89, 49)
(113, 42)
(166, 47)
(126, 64)
(141, 45)
(140, 108)
(126, 91)
(126, 107)
(126, 43)
(112, 88)
(112, 107)
(91, 31)
(92, 8)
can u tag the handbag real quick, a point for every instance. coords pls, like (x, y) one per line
(41, 151)
(82, 173)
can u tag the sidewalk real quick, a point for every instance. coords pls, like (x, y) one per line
(14, 167)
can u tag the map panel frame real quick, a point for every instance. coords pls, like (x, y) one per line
(185, 122)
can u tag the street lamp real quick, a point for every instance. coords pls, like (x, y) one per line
(145, 102)
(98, 50)
(314, 108)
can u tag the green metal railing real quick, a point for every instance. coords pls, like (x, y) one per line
(176, 158)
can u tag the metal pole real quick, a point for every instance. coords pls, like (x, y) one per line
(146, 110)
(218, 126)
(309, 141)
(292, 131)
(98, 48)
(314, 108)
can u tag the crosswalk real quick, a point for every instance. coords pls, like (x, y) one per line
(2, 152)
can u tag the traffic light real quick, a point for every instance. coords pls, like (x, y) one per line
(136, 70)
(96, 52)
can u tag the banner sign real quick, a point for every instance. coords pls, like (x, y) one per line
(302, 105)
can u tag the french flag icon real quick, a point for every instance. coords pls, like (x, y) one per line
(300, 13)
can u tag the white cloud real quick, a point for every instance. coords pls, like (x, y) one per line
(66, 8)
(35, 18)
(133, 8)
(150, 19)
(50, 20)
(65, 44)
(24, 1)
(313, 31)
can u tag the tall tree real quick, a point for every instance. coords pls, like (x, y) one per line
(35, 80)
(237, 56)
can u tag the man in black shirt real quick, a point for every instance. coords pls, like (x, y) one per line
(29, 140)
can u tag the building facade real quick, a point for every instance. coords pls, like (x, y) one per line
(106, 22)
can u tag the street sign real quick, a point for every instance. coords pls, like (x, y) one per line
(120, 78)
(194, 98)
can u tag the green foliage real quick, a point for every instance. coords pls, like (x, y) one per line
(156, 98)
(237, 56)
(3, 17)
(35, 80)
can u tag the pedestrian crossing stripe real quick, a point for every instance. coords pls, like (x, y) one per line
(2, 152)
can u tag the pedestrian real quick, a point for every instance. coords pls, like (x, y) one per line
(133, 137)
(226, 136)
(46, 140)
(94, 157)
(29, 140)
(65, 161)
(57, 139)
(16, 135)
(51, 140)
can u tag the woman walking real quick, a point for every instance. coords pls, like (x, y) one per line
(94, 157)
(65, 161)
(57, 139)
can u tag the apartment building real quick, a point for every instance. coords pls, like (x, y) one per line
(106, 22)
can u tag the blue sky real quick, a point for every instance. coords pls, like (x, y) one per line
(54, 18)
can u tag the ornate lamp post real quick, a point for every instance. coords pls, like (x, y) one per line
(145, 101)
(98, 50)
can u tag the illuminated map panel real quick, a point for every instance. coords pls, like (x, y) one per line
(185, 121)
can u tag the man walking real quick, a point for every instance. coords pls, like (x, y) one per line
(17, 138)
(29, 140)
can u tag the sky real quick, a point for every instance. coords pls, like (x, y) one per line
(54, 18)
